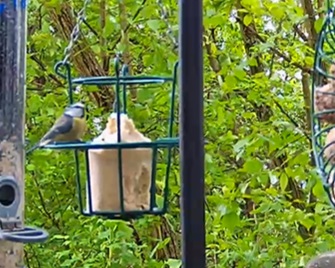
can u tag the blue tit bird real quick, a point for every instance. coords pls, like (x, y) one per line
(71, 126)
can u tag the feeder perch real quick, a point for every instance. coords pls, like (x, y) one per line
(121, 162)
(10, 227)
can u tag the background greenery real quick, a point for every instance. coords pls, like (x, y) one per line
(265, 204)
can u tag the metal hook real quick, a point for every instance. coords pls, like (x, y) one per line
(59, 66)
(117, 62)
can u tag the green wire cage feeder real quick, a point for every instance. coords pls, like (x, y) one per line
(119, 191)
(323, 105)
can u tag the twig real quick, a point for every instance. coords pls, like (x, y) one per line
(300, 33)
(43, 204)
(42, 66)
(289, 117)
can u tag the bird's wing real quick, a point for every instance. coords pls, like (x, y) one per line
(63, 125)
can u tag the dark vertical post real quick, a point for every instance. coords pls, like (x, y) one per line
(12, 105)
(191, 134)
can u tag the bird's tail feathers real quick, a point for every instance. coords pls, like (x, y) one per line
(38, 145)
(33, 148)
(44, 142)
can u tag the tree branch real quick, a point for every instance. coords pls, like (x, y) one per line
(102, 39)
(309, 24)
(275, 50)
(84, 57)
(213, 59)
(126, 56)
(42, 66)
(290, 118)
(127, 27)
(300, 33)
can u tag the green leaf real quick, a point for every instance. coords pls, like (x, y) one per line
(252, 166)
(208, 158)
(147, 60)
(318, 24)
(30, 167)
(160, 245)
(216, 20)
(96, 49)
(240, 73)
(308, 223)
(173, 263)
(154, 24)
(230, 81)
(252, 61)
(283, 180)
(318, 189)
(309, 61)
(51, 3)
(240, 145)
(109, 29)
(247, 20)
(278, 12)
(230, 220)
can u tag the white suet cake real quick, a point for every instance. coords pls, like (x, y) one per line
(136, 169)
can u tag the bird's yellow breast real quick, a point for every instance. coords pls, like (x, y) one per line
(76, 133)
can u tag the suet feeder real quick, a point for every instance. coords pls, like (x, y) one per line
(121, 163)
(323, 105)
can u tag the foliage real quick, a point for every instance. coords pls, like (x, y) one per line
(266, 206)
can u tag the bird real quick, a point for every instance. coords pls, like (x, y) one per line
(71, 126)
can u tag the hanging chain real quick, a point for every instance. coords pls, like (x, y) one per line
(81, 16)
(164, 16)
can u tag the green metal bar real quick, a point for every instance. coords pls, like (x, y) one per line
(161, 143)
(118, 122)
(153, 203)
(88, 176)
(123, 216)
(170, 133)
(125, 72)
(78, 184)
(130, 80)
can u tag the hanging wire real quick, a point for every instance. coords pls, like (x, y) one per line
(75, 32)
(329, 4)
(164, 13)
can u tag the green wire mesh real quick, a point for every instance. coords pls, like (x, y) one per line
(121, 80)
(323, 105)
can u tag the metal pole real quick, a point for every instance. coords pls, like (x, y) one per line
(12, 104)
(191, 134)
